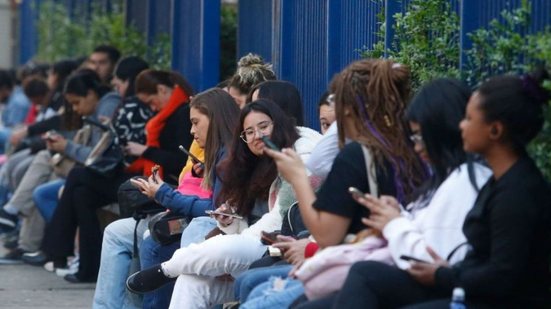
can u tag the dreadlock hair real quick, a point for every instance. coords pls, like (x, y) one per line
(371, 96)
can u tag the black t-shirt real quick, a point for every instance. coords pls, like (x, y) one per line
(349, 170)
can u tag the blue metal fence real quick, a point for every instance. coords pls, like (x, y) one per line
(196, 41)
(308, 41)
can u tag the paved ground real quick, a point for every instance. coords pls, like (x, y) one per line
(25, 287)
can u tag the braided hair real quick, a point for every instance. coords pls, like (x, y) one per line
(371, 96)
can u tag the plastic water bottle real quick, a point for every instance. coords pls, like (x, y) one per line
(458, 299)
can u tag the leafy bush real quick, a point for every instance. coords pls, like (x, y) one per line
(426, 39)
(60, 36)
(507, 47)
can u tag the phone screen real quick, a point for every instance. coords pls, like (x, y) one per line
(270, 144)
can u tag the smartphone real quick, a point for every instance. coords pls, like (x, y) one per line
(356, 193)
(214, 212)
(154, 171)
(193, 158)
(269, 143)
(268, 238)
(412, 259)
(49, 136)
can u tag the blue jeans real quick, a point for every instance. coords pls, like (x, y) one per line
(45, 198)
(265, 296)
(250, 279)
(5, 134)
(116, 264)
(152, 253)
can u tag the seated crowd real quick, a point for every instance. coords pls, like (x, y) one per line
(115, 173)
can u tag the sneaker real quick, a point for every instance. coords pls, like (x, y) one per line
(37, 258)
(71, 269)
(147, 280)
(12, 257)
(49, 266)
(8, 221)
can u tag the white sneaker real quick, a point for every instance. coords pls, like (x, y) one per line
(49, 266)
(71, 269)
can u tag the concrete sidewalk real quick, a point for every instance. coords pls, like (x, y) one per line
(25, 287)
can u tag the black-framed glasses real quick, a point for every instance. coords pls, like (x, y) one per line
(264, 128)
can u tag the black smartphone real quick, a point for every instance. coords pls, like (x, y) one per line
(49, 136)
(412, 259)
(269, 143)
(268, 238)
(154, 171)
(356, 193)
(193, 158)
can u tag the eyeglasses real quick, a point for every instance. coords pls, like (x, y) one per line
(416, 138)
(263, 127)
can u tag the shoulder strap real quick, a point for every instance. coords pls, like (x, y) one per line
(371, 172)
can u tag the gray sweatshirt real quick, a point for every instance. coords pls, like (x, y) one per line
(105, 110)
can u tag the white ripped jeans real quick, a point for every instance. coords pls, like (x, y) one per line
(198, 265)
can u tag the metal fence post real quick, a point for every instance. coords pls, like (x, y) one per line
(468, 15)
(196, 41)
(391, 7)
(27, 36)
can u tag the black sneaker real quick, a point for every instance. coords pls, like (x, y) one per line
(11, 243)
(147, 280)
(12, 257)
(37, 258)
(8, 221)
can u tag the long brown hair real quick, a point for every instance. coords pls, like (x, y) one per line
(247, 177)
(371, 95)
(223, 116)
(148, 80)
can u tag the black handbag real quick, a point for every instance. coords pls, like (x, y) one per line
(167, 227)
(133, 203)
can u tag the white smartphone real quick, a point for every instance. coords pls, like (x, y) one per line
(214, 212)
(356, 193)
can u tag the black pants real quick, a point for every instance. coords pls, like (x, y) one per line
(376, 285)
(84, 192)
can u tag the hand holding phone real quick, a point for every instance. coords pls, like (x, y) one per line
(221, 213)
(50, 136)
(154, 171)
(413, 259)
(269, 143)
(189, 154)
(268, 238)
(356, 193)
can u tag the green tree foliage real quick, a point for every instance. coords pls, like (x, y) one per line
(426, 39)
(61, 35)
(228, 40)
(505, 47)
